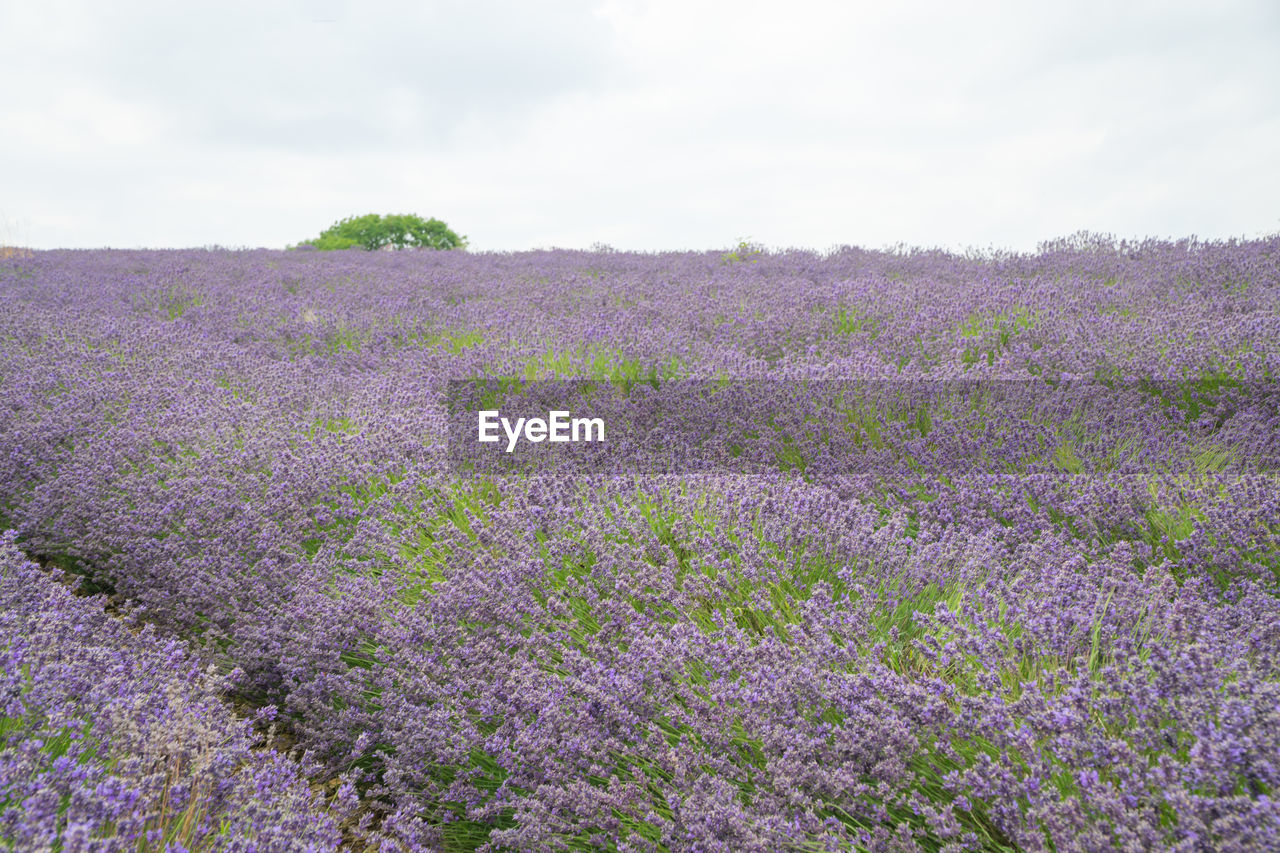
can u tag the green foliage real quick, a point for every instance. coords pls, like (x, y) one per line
(994, 333)
(746, 250)
(402, 231)
(851, 321)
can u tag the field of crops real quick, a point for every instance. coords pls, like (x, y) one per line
(938, 552)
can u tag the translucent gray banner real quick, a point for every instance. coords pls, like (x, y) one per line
(841, 427)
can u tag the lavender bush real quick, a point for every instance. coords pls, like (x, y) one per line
(114, 739)
(913, 622)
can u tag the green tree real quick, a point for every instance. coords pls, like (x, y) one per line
(403, 231)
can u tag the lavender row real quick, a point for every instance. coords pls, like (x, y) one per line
(115, 739)
(1134, 310)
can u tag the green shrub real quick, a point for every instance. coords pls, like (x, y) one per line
(402, 231)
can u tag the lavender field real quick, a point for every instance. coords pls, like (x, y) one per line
(986, 555)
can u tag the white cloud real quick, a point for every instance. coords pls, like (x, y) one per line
(642, 124)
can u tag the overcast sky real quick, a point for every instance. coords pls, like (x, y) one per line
(642, 125)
